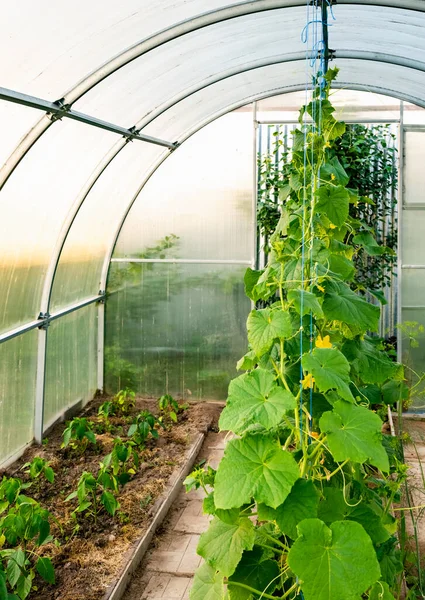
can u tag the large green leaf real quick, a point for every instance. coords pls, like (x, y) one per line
(330, 370)
(266, 325)
(333, 563)
(254, 467)
(223, 544)
(333, 201)
(333, 171)
(371, 246)
(342, 304)
(255, 398)
(341, 266)
(302, 503)
(372, 365)
(253, 571)
(250, 280)
(305, 302)
(354, 433)
(207, 584)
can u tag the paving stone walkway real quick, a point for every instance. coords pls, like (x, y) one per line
(170, 563)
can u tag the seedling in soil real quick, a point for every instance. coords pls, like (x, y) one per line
(24, 528)
(106, 410)
(78, 434)
(124, 400)
(143, 426)
(39, 466)
(169, 407)
(94, 493)
(124, 460)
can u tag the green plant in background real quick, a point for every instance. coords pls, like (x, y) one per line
(143, 426)
(39, 466)
(106, 409)
(24, 529)
(78, 434)
(170, 408)
(369, 158)
(309, 460)
(124, 400)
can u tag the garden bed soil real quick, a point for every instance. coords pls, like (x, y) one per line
(89, 558)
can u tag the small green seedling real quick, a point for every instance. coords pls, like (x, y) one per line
(39, 466)
(125, 400)
(94, 492)
(169, 407)
(24, 528)
(78, 434)
(106, 410)
(124, 460)
(143, 426)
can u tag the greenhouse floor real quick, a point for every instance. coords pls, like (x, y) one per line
(414, 453)
(168, 568)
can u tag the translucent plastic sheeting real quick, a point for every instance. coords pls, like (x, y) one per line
(175, 328)
(67, 45)
(71, 362)
(413, 239)
(180, 64)
(413, 115)
(18, 363)
(80, 266)
(414, 354)
(16, 121)
(34, 203)
(349, 104)
(414, 168)
(189, 114)
(175, 67)
(203, 195)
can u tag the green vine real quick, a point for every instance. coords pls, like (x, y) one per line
(369, 158)
(302, 499)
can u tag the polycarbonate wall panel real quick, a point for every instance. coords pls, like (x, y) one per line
(175, 328)
(202, 194)
(413, 238)
(165, 71)
(78, 273)
(18, 363)
(275, 79)
(71, 362)
(414, 167)
(67, 46)
(16, 121)
(34, 203)
(178, 66)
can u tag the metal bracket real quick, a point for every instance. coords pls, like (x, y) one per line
(102, 297)
(318, 3)
(62, 109)
(130, 138)
(176, 145)
(331, 54)
(45, 318)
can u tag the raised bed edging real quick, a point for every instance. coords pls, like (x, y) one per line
(135, 554)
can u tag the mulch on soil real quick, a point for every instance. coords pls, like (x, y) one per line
(89, 557)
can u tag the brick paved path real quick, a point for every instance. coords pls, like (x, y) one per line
(168, 568)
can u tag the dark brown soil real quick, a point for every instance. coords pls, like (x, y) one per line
(88, 557)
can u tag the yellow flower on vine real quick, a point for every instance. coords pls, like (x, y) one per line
(323, 342)
(319, 287)
(333, 177)
(308, 382)
(332, 226)
(327, 145)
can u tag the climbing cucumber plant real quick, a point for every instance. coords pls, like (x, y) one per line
(301, 501)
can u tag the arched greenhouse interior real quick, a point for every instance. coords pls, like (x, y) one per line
(136, 144)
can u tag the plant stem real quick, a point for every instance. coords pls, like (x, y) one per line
(252, 590)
